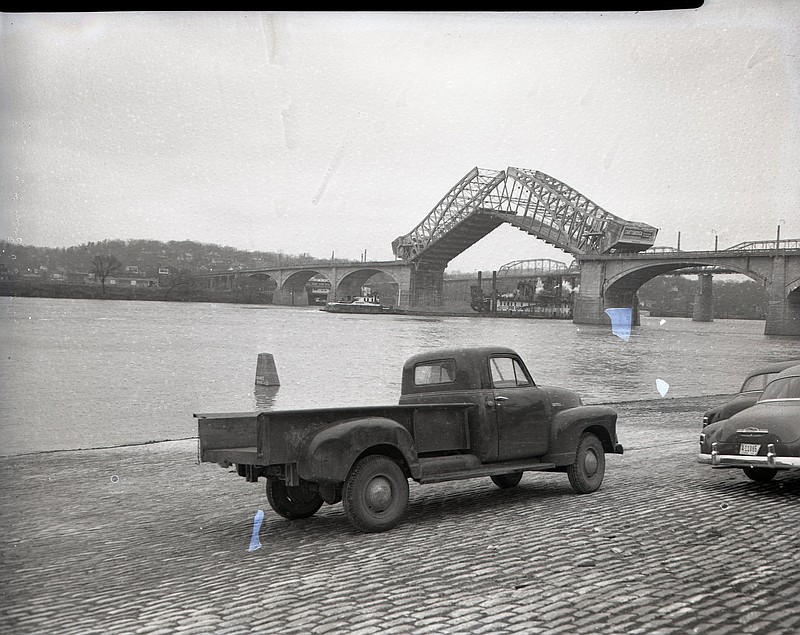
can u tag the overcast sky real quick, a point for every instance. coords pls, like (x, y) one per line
(337, 132)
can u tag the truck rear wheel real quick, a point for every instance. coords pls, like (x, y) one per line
(292, 502)
(375, 494)
(506, 481)
(587, 471)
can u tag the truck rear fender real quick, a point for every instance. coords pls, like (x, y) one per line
(569, 425)
(333, 451)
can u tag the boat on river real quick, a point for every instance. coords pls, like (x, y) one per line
(359, 304)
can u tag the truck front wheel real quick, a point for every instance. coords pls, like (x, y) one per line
(587, 470)
(292, 502)
(375, 494)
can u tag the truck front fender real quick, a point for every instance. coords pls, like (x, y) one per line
(331, 453)
(569, 425)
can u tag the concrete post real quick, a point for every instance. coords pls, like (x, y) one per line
(703, 300)
(266, 372)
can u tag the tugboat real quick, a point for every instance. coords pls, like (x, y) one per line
(367, 303)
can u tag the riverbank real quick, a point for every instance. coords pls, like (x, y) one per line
(143, 539)
(64, 290)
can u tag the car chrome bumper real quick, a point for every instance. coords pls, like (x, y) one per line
(715, 459)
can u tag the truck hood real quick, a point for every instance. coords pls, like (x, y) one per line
(561, 398)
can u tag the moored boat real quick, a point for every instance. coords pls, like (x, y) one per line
(359, 304)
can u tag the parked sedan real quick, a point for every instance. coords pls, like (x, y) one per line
(762, 439)
(749, 393)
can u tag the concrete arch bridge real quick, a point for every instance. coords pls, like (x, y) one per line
(612, 280)
(288, 285)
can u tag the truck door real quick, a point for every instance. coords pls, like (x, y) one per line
(522, 410)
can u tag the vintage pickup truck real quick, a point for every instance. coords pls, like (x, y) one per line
(463, 413)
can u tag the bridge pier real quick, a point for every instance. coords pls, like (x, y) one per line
(589, 306)
(426, 288)
(591, 302)
(783, 310)
(783, 317)
(290, 297)
(703, 310)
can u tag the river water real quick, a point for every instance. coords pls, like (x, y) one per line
(92, 373)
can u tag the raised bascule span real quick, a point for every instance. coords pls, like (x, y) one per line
(531, 201)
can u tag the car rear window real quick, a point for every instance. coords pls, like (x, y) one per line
(785, 388)
(757, 382)
(437, 372)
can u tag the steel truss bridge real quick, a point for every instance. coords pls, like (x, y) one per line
(615, 256)
(531, 201)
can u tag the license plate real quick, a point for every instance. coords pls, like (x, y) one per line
(751, 449)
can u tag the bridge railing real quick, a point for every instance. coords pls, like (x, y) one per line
(540, 266)
(761, 245)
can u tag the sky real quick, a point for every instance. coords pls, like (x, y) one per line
(334, 133)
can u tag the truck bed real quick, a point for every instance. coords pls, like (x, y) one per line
(275, 437)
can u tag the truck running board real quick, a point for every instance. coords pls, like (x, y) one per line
(438, 470)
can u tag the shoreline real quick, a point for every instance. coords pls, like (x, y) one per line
(632, 406)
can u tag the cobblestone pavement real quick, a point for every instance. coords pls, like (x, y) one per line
(144, 540)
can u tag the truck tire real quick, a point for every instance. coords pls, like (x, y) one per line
(586, 472)
(760, 474)
(292, 502)
(506, 481)
(375, 494)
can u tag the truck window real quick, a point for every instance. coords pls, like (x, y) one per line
(507, 372)
(438, 372)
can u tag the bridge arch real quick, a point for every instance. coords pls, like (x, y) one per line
(294, 288)
(262, 277)
(622, 286)
(387, 288)
(792, 287)
(259, 286)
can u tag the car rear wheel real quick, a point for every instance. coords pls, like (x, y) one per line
(587, 470)
(506, 481)
(760, 474)
(292, 502)
(375, 494)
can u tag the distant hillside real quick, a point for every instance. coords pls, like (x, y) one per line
(146, 256)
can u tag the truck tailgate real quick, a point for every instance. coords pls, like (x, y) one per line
(228, 437)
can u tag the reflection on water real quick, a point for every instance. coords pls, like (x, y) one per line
(90, 373)
(265, 396)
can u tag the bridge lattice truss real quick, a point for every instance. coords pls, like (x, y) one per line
(532, 201)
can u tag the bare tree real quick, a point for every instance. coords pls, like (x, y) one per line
(104, 266)
(180, 278)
